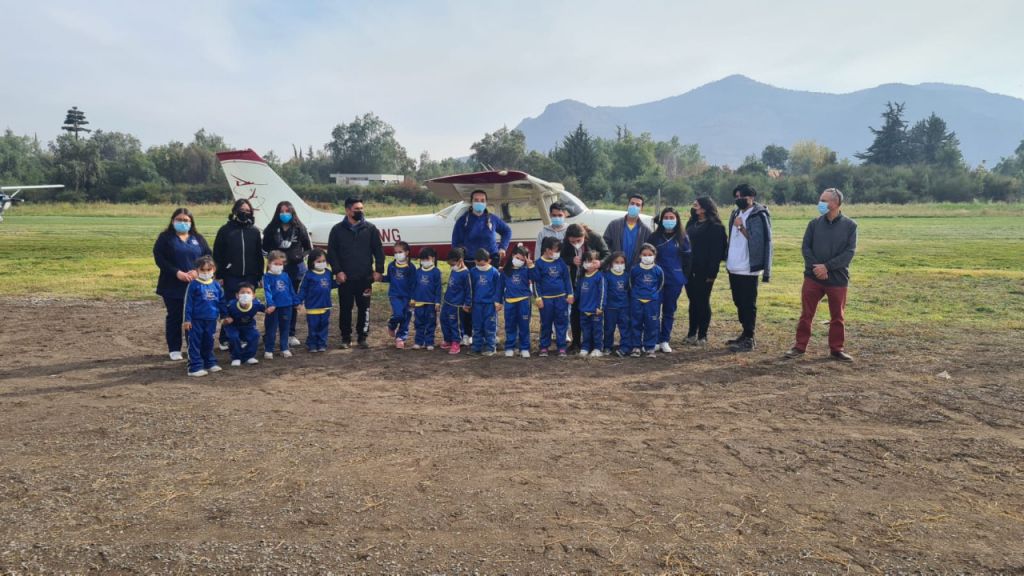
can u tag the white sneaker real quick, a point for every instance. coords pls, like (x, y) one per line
(584, 353)
(430, 348)
(293, 341)
(286, 354)
(198, 373)
(214, 368)
(525, 353)
(417, 347)
(664, 347)
(176, 355)
(467, 340)
(510, 353)
(251, 361)
(236, 363)
(268, 355)
(596, 354)
(223, 346)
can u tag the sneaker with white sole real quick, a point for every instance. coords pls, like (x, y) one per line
(224, 346)
(417, 347)
(467, 340)
(268, 355)
(236, 363)
(584, 353)
(399, 343)
(430, 348)
(252, 361)
(635, 353)
(525, 354)
(198, 373)
(664, 347)
(488, 353)
(596, 354)
(176, 355)
(214, 368)
(652, 353)
(286, 353)
(293, 341)
(510, 353)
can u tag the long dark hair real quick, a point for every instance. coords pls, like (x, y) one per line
(178, 212)
(276, 220)
(238, 204)
(660, 230)
(710, 212)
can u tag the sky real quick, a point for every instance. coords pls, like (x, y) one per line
(267, 75)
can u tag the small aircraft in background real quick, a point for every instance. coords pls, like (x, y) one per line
(8, 200)
(520, 200)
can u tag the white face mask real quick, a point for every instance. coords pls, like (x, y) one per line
(426, 264)
(399, 257)
(577, 245)
(204, 276)
(483, 266)
(245, 299)
(618, 268)
(276, 269)
(518, 262)
(321, 265)
(593, 265)
(647, 260)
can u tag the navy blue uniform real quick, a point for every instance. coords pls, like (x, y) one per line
(591, 294)
(280, 293)
(315, 295)
(517, 293)
(402, 280)
(486, 286)
(646, 283)
(458, 294)
(243, 336)
(616, 311)
(204, 303)
(673, 258)
(426, 298)
(552, 285)
(173, 255)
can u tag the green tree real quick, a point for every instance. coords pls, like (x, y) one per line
(775, 157)
(542, 166)
(679, 160)
(500, 149)
(22, 160)
(890, 145)
(930, 142)
(77, 162)
(578, 155)
(429, 168)
(807, 156)
(74, 122)
(633, 157)
(1012, 165)
(122, 159)
(367, 145)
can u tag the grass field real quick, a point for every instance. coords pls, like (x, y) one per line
(936, 265)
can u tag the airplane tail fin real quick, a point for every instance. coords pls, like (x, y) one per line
(250, 177)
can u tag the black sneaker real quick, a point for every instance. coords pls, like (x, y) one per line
(794, 352)
(841, 356)
(743, 345)
(735, 340)
(620, 353)
(363, 344)
(345, 345)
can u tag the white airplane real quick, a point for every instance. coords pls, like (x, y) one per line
(8, 200)
(521, 200)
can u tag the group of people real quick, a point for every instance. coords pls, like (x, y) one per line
(586, 286)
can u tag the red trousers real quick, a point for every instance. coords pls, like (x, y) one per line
(810, 295)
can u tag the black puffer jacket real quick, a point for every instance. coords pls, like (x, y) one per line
(238, 252)
(297, 236)
(355, 250)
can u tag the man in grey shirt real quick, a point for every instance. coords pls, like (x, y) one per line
(557, 228)
(828, 248)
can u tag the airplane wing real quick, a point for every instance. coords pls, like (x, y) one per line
(17, 189)
(500, 186)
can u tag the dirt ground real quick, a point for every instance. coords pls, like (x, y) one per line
(381, 461)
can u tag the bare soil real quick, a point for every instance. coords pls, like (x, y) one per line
(386, 461)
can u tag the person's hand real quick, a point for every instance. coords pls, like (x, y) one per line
(300, 308)
(412, 303)
(738, 223)
(820, 271)
(465, 308)
(270, 309)
(529, 261)
(598, 312)
(186, 326)
(498, 306)
(183, 276)
(378, 277)
(229, 320)
(340, 277)
(540, 303)
(577, 260)
(193, 274)
(570, 298)
(501, 254)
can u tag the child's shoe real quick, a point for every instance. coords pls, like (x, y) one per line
(293, 341)
(198, 373)
(446, 345)
(562, 353)
(417, 347)
(224, 346)
(286, 353)
(651, 353)
(525, 353)
(635, 353)
(236, 363)
(252, 361)
(596, 354)
(392, 331)
(488, 353)
(455, 348)
(584, 353)
(430, 348)
(510, 353)
(176, 355)
(543, 353)
(268, 355)
(467, 340)
(399, 343)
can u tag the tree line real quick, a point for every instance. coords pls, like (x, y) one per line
(904, 163)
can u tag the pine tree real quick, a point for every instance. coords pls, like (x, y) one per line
(74, 122)
(890, 145)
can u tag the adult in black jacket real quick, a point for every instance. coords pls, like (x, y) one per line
(356, 255)
(708, 245)
(288, 234)
(238, 252)
(579, 239)
(175, 252)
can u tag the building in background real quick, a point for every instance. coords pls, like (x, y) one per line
(367, 179)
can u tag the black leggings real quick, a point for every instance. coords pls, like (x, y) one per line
(698, 292)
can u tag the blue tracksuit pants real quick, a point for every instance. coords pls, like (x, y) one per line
(517, 325)
(425, 318)
(200, 345)
(555, 313)
(646, 324)
(278, 324)
(485, 326)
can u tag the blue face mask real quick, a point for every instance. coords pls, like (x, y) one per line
(285, 217)
(823, 208)
(669, 224)
(182, 227)
(557, 221)
(479, 207)
(633, 211)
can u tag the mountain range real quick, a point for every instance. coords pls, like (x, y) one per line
(737, 116)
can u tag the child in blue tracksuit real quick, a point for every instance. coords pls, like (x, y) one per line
(554, 293)
(485, 282)
(591, 293)
(426, 299)
(616, 310)
(315, 296)
(515, 281)
(401, 277)
(240, 325)
(203, 306)
(646, 281)
(281, 299)
(459, 295)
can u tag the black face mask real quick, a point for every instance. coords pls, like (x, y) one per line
(244, 218)
(742, 203)
(357, 215)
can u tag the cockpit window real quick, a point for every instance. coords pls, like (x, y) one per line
(572, 204)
